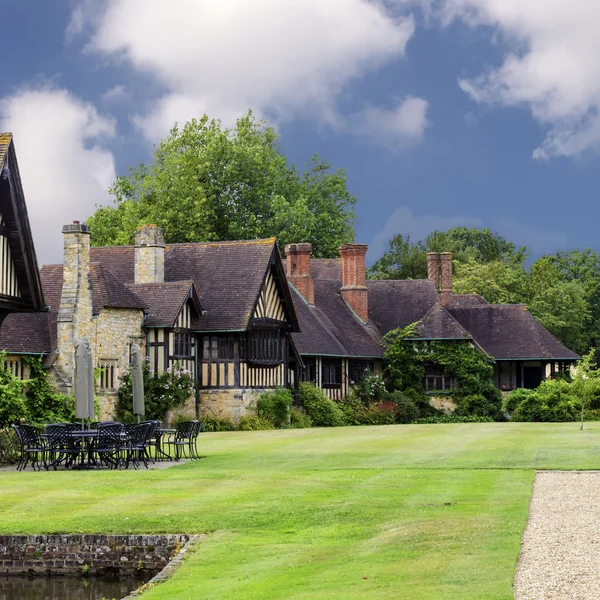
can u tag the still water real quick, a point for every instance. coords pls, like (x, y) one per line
(66, 588)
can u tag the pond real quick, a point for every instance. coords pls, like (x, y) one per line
(66, 588)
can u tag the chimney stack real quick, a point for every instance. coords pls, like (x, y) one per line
(149, 254)
(75, 310)
(433, 269)
(446, 278)
(298, 270)
(354, 279)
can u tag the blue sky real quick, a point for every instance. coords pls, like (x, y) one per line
(444, 112)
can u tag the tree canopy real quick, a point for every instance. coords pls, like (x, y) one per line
(562, 290)
(210, 183)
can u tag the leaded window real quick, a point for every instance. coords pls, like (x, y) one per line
(182, 345)
(308, 374)
(437, 380)
(357, 369)
(331, 372)
(265, 346)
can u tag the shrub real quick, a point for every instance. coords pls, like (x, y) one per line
(322, 411)
(13, 407)
(275, 406)
(406, 409)
(9, 447)
(217, 424)
(478, 405)
(371, 388)
(43, 404)
(255, 424)
(553, 400)
(299, 419)
(163, 393)
(452, 419)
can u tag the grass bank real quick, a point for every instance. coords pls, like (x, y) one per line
(413, 511)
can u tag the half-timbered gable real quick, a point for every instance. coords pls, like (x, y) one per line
(20, 285)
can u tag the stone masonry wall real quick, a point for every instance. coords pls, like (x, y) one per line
(228, 404)
(92, 554)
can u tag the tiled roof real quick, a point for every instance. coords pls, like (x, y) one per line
(107, 292)
(330, 328)
(227, 275)
(398, 303)
(163, 301)
(465, 300)
(439, 324)
(510, 331)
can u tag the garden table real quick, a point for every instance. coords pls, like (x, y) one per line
(160, 453)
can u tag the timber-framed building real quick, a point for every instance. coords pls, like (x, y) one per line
(241, 320)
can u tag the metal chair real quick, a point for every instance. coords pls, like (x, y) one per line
(32, 446)
(135, 446)
(184, 439)
(62, 447)
(153, 440)
(109, 443)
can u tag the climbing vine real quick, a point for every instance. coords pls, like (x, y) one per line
(405, 363)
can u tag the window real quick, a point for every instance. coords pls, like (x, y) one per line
(265, 346)
(309, 372)
(108, 374)
(15, 366)
(357, 369)
(226, 348)
(331, 372)
(182, 347)
(437, 380)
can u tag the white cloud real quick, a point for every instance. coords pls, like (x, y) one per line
(552, 66)
(406, 222)
(115, 94)
(221, 57)
(65, 169)
(396, 127)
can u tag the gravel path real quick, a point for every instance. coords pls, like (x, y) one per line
(560, 550)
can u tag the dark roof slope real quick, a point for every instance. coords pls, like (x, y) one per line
(227, 275)
(330, 328)
(465, 300)
(510, 331)
(107, 292)
(18, 231)
(35, 333)
(439, 324)
(398, 303)
(163, 301)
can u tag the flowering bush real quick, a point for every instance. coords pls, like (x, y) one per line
(162, 393)
(371, 388)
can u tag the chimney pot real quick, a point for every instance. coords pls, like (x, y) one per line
(354, 279)
(298, 270)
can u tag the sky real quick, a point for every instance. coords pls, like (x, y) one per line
(483, 113)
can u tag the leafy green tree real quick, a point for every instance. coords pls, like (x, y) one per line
(207, 183)
(403, 260)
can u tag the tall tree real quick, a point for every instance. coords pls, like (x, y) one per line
(207, 183)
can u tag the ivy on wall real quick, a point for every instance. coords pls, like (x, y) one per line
(405, 364)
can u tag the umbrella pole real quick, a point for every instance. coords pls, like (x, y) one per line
(138, 419)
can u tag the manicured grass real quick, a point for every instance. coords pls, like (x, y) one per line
(415, 512)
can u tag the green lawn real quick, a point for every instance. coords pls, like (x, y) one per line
(407, 511)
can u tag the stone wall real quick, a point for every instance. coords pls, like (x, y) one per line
(87, 554)
(229, 404)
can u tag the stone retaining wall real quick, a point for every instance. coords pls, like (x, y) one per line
(87, 554)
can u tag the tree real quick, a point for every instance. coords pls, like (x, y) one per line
(209, 183)
(403, 260)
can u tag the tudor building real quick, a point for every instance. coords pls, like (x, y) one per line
(240, 320)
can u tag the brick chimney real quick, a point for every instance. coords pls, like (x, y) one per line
(298, 270)
(149, 254)
(74, 318)
(446, 278)
(433, 269)
(354, 279)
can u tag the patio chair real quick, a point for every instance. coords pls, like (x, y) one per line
(109, 443)
(62, 447)
(32, 446)
(153, 440)
(135, 446)
(184, 439)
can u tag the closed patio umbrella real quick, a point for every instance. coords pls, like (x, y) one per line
(81, 383)
(137, 380)
(91, 382)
